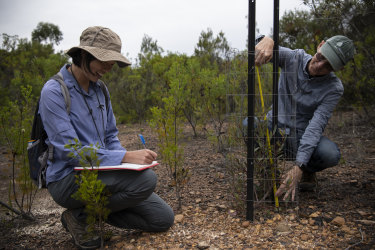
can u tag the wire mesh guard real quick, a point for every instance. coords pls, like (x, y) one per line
(274, 149)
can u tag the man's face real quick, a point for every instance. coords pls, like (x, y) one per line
(319, 65)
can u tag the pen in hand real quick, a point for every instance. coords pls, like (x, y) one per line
(142, 140)
(144, 143)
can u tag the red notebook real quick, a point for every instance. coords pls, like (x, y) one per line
(128, 166)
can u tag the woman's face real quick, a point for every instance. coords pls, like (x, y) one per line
(98, 69)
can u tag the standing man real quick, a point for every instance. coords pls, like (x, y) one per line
(308, 93)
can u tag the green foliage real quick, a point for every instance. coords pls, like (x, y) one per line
(211, 50)
(149, 48)
(326, 18)
(47, 32)
(167, 123)
(298, 32)
(91, 191)
(25, 63)
(24, 68)
(204, 89)
(187, 71)
(15, 127)
(134, 90)
(214, 107)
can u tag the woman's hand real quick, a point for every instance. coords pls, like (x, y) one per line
(143, 156)
(290, 183)
(263, 51)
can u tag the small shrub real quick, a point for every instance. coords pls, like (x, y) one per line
(91, 191)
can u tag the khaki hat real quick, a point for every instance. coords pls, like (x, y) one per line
(338, 50)
(103, 44)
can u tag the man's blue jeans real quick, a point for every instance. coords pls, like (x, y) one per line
(326, 154)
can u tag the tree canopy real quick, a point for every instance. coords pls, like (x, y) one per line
(352, 18)
(47, 33)
(136, 89)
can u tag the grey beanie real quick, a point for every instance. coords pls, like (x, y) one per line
(338, 50)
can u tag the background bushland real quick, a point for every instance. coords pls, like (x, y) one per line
(207, 78)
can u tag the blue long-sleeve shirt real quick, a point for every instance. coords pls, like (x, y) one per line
(61, 127)
(305, 103)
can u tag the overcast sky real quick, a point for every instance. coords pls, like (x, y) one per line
(175, 24)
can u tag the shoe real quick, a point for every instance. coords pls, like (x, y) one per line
(82, 238)
(309, 182)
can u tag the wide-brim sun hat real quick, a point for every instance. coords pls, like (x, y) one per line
(338, 50)
(103, 44)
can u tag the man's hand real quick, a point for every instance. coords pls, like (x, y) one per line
(143, 156)
(263, 51)
(290, 183)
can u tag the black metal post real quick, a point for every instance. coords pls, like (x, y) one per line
(275, 78)
(250, 111)
(275, 64)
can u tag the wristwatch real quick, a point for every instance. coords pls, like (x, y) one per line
(259, 38)
(301, 166)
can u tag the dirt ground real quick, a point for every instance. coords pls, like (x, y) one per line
(340, 214)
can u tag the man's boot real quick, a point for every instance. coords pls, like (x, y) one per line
(309, 182)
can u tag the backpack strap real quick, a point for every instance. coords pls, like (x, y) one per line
(64, 90)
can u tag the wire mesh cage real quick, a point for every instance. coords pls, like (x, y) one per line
(273, 151)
